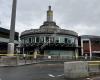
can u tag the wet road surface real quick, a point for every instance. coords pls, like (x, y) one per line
(35, 72)
(32, 72)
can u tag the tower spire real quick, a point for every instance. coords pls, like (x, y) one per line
(49, 14)
(49, 8)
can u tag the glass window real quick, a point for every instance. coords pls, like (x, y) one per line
(66, 40)
(51, 39)
(33, 39)
(30, 40)
(56, 39)
(41, 39)
(26, 40)
(47, 39)
(23, 41)
(69, 41)
(37, 39)
(97, 42)
(85, 41)
(62, 40)
(72, 40)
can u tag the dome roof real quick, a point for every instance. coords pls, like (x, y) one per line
(49, 25)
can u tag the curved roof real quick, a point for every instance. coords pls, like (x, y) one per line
(49, 25)
(48, 31)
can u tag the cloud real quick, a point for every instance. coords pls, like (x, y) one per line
(5, 13)
(82, 16)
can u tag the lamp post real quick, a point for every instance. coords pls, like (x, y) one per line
(12, 29)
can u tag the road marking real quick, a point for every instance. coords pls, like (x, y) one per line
(60, 75)
(51, 75)
(89, 79)
(55, 76)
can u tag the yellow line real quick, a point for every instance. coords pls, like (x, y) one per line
(93, 61)
(93, 64)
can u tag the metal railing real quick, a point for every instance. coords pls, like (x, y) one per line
(40, 58)
(22, 59)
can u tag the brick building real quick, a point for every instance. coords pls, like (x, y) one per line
(90, 45)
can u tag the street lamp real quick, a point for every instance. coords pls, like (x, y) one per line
(12, 28)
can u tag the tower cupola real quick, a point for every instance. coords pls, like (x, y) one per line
(49, 14)
(49, 23)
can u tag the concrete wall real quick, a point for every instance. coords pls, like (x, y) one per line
(76, 69)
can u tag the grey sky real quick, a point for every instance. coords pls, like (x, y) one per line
(82, 16)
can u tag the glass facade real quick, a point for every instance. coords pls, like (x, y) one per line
(70, 40)
(61, 53)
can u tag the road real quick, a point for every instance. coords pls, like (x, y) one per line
(34, 72)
